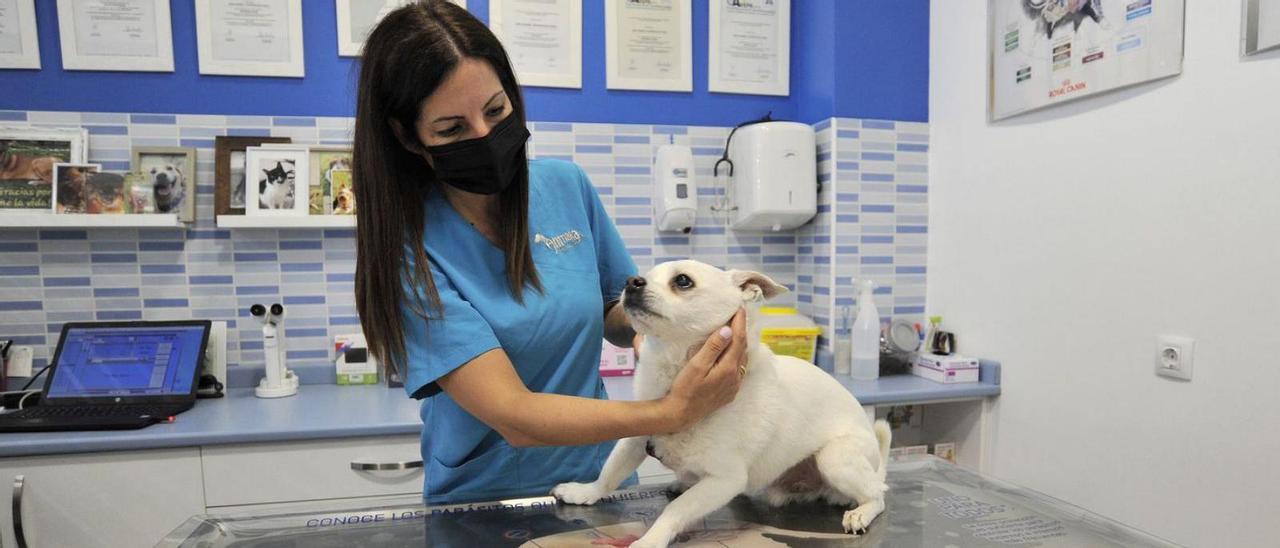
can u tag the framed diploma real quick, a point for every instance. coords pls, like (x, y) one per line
(749, 47)
(258, 38)
(18, 46)
(649, 45)
(357, 18)
(121, 35)
(543, 39)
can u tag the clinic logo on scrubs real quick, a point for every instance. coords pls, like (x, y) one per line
(565, 241)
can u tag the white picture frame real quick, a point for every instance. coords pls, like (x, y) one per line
(356, 18)
(729, 73)
(38, 149)
(629, 69)
(557, 61)
(19, 36)
(89, 33)
(229, 47)
(1259, 26)
(259, 163)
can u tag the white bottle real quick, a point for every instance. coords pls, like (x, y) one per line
(866, 335)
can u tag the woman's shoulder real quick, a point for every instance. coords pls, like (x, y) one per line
(556, 175)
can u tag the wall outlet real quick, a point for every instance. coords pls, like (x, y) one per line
(1175, 356)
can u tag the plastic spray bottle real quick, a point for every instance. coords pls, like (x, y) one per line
(866, 335)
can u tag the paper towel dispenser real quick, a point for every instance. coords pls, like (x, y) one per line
(774, 177)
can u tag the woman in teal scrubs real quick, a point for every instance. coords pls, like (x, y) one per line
(488, 280)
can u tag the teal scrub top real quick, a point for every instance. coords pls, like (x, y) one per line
(553, 338)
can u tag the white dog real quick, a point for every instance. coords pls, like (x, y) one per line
(792, 432)
(168, 185)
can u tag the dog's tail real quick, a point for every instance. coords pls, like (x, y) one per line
(884, 435)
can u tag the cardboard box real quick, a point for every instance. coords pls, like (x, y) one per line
(946, 369)
(361, 367)
(616, 361)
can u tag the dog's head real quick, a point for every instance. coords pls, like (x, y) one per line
(166, 179)
(688, 300)
(345, 200)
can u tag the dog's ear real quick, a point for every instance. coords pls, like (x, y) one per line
(756, 286)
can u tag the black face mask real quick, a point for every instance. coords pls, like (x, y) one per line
(485, 165)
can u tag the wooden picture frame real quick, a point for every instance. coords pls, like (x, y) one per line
(174, 168)
(224, 146)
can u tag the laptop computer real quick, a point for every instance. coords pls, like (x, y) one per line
(117, 376)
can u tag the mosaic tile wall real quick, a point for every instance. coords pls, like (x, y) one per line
(871, 222)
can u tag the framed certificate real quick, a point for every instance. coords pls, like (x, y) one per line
(649, 45)
(543, 39)
(259, 38)
(749, 47)
(120, 35)
(357, 18)
(19, 48)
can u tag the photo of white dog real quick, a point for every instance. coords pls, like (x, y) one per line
(276, 181)
(167, 179)
(793, 433)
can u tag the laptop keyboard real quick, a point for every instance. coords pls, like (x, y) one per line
(44, 411)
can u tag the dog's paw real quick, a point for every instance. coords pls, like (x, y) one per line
(856, 521)
(577, 493)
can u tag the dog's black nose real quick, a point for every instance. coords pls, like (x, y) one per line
(635, 282)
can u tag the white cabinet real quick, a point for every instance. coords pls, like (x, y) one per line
(101, 499)
(260, 473)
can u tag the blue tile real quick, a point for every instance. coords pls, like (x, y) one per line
(302, 267)
(640, 251)
(919, 189)
(19, 271)
(846, 218)
(877, 239)
(248, 257)
(631, 139)
(306, 332)
(847, 249)
(908, 310)
(671, 240)
(304, 299)
(104, 315)
(824, 208)
(912, 229)
(633, 221)
(909, 270)
(804, 249)
(115, 292)
(161, 246)
(846, 197)
(344, 320)
(778, 259)
(823, 156)
(779, 239)
(208, 234)
(64, 234)
(249, 131)
(745, 249)
(66, 282)
(821, 125)
(846, 165)
(593, 149)
(671, 130)
(878, 156)
(258, 290)
(709, 151)
(12, 116)
(631, 201)
(164, 269)
(108, 130)
(340, 277)
(307, 354)
(165, 119)
(552, 126)
(250, 345)
(565, 157)
(878, 177)
(803, 298)
(8, 306)
(209, 279)
(631, 170)
(820, 259)
(876, 260)
(301, 244)
(33, 340)
(822, 239)
(821, 290)
(883, 290)
(878, 124)
(339, 233)
(165, 303)
(877, 208)
(847, 133)
(290, 121)
(912, 147)
(18, 247)
(824, 177)
(114, 258)
(196, 143)
(708, 230)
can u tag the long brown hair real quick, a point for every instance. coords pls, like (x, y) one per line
(406, 57)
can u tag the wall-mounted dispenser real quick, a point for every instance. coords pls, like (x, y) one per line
(674, 193)
(773, 173)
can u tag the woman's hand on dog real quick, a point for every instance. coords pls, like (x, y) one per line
(712, 376)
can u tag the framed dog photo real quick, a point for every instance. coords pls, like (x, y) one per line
(330, 171)
(171, 173)
(71, 186)
(27, 156)
(277, 181)
(228, 171)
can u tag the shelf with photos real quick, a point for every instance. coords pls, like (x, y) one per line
(259, 180)
(46, 182)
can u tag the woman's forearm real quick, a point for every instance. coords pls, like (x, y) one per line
(554, 419)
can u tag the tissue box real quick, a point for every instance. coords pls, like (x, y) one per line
(354, 363)
(616, 362)
(946, 369)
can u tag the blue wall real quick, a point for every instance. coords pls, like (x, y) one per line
(852, 58)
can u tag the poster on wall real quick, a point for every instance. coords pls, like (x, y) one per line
(19, 48)
(649, 44)
(27, 157)
(749, 47)
(543, 39)
(120, 35)
(1261, 26)
(259, 38)
(356, 19)
(1046, 52)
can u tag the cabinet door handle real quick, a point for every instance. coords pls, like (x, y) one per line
(19, 536)
(370, 466)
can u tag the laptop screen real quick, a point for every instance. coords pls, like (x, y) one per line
(154, 360)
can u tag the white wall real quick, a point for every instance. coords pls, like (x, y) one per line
(1062, 242)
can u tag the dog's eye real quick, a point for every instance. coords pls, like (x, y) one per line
(682, 281)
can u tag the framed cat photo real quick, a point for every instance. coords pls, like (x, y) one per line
(170, 173)
(276, 181)
(228, 171)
